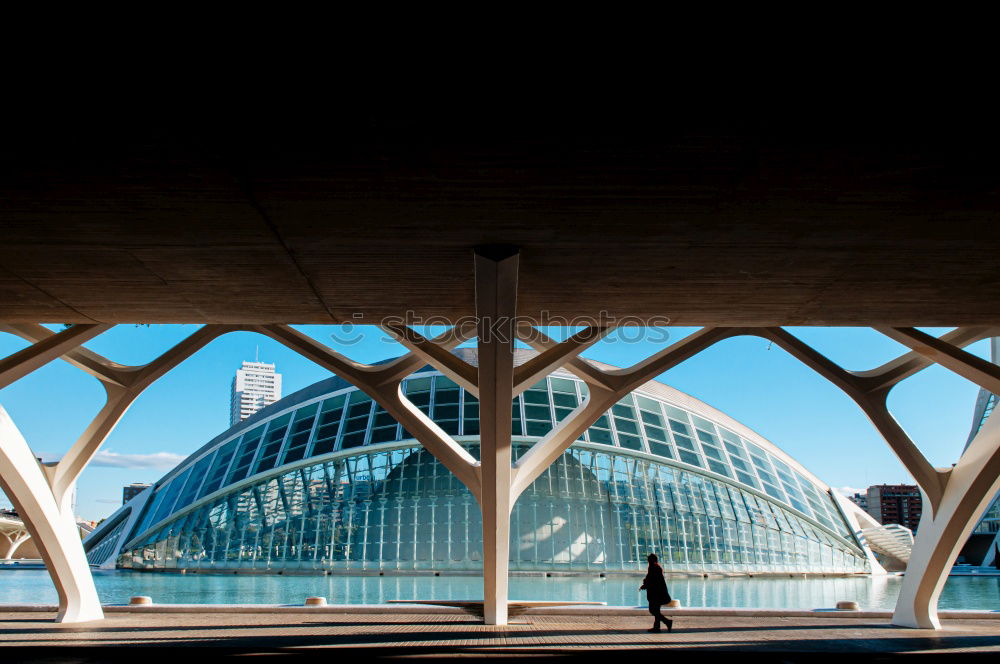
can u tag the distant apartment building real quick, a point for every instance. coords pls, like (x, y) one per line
(255, 386)
(861, 500)
(130, 491)
(895, 503)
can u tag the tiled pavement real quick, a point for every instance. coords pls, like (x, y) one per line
(34, 634)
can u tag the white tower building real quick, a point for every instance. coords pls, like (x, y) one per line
(256, 385)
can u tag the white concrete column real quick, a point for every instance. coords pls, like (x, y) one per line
(53, 526)
(942, 532)
(496, 304)
(43, 494)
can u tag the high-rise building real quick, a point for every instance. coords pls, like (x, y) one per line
(130, 491)
(895, 503)
(256, 385)
(861, 500)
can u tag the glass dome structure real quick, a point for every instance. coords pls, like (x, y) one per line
(326, 481)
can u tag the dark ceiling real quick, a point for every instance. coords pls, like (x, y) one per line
(773, 223)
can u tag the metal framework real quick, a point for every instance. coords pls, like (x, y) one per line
(954, 497)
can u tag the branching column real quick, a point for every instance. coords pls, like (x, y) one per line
(55, 533)
(966, 489)
(42, 493)
(496, 304)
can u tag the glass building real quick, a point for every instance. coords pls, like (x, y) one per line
(326, 481)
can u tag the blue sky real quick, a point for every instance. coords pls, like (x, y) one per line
(757, 384)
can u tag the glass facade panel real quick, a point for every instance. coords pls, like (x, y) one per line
(358, 414)
(328, 425)
(470, 414)
(273, 441)
(447, 403)
(402, 510)
(300, 434)
(194, 481)
(220, 465)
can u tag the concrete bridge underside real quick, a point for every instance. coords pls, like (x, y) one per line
(865, 222)
(738, 231)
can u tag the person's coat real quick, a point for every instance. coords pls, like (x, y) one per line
(655, 585)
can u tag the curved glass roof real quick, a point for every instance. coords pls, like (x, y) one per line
(332, 417)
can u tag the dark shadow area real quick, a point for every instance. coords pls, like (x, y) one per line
(77, 655)
(570, 638)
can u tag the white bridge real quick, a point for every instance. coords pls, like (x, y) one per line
(890, 540)
(13, 533)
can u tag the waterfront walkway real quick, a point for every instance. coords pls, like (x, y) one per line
(33, 635)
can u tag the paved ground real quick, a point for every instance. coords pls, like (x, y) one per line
(34, 636)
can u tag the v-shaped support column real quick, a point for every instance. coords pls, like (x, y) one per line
(972, 483)
(967, 489)
(43, 493)
(54, 529)
(496, 305)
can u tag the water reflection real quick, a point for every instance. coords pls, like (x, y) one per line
(35, 587)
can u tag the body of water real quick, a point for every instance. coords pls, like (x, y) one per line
(115, 587)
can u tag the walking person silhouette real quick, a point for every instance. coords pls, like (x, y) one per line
(656, 593)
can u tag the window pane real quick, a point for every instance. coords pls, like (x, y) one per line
(623, 411)
(353, 439)
(661, 449)
(443, 383)
(675, 413)
(418, 385)
(631, 442)
(684, 442)
(563, 385)
(702, 423)
(538, 428)
(602, 436)
(647, 403)
(567, 400)
(707, 437)
(654, 433)
(537, 412)
(383, 435)
(679, 427)
(626, 426)
(687, 457)
(531, 396)
(651, 418)
(719, 468)
(712, 452)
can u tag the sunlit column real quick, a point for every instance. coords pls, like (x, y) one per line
(496, 308)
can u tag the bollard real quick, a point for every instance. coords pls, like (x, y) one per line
(847, 606)
(674, 604)
(315, 601)
(140, 600)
